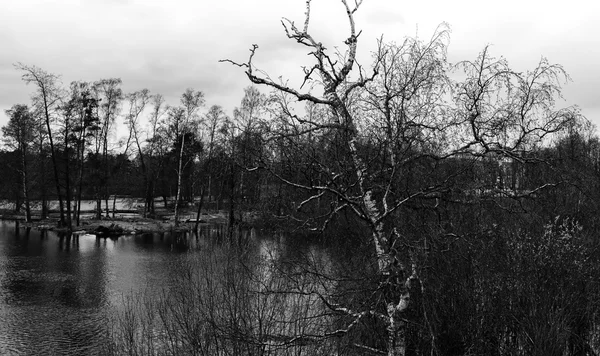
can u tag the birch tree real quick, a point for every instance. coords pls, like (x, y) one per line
(110, 95)
(405, 113)
(248, 121)
(215, 117)
(137, 103)
(155, 151)
(191, 101)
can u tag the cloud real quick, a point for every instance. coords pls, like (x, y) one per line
(170, 46)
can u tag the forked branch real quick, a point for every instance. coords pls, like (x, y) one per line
(331, 76)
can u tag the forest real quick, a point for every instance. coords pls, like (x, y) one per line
(462, 199)
(62, 147)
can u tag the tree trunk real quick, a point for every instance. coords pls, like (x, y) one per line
(179, 174)
(199, 208)
(241, 196)
(220, 197)
(395, 337)
(209, 188)
(77, 209)
(396, 293)
(44, 213)
(147, 183)
(80, 179)
(98, 206)
(106, 195)
(106, 198)
(78, 212)
(55, 165)
(25, 184)
(151, 195)
(232, 198)
(68, 189)
(42, 183)
(17, 201)
(149, 198)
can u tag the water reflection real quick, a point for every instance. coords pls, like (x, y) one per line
(50, 293)
(57, 290)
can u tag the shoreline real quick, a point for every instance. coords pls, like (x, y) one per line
(120, 225)
(125, 224)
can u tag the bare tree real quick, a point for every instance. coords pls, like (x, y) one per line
(407, 110)
(46, 99)
(155, 146)
(212, 120)
(245, 130)
(109, 93)
(191, 101)
(137, 104)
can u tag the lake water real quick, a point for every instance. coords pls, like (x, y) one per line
(56, 293)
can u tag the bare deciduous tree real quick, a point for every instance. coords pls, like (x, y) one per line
(109, 92)
(191, 101)
(407, 110)
(46, 99)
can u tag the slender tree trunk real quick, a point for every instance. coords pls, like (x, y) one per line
(210, 164)
(81, 154)
(98, 206)
(146, 180)
(151, 195)
(17, 200)
(232, 198)
(199, 208)
(153, 181)
(25, 184)
(55, 166)
(44, 213)
(146, 195)
(106, 198)
(241, 196)
(57, 183)
(67, 181)
(148, 204)
(42, 180)
(179, 174)
(106, 195)
(221, 193)
(114, 205)
(68, 200)
(79, 194)
(209, 188)
(77, 208)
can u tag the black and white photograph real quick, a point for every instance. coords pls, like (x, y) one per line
(299, 177)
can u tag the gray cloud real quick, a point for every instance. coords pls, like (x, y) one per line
(170, 46)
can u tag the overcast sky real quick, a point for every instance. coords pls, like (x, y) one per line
(168, 46)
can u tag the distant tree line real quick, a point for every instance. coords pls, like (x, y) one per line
(63, 146)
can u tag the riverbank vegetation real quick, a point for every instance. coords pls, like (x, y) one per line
(463, 200)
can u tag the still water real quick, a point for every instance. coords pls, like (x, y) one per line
(56, 293)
